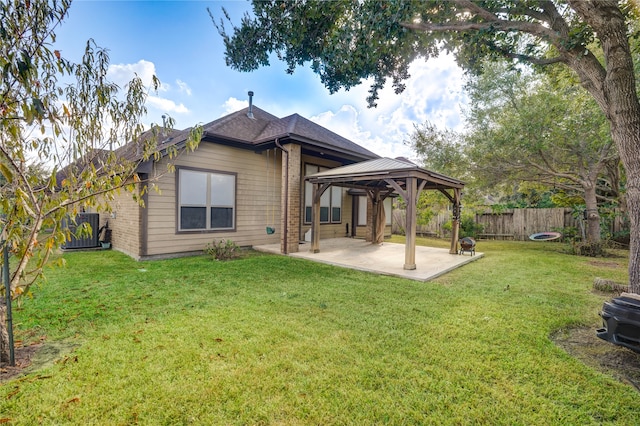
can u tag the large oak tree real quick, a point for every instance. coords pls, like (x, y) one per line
(543, 129)
(348, 41)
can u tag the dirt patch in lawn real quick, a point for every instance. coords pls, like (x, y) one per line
(583, 344)
(35, 357)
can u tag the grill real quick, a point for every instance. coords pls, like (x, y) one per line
(621, 322)
(467, 244)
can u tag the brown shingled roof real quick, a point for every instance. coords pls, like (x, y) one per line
(298, 127)
(133, 151)
(261, 131)
(239, 127)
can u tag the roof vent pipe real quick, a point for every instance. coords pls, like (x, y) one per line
(250, 113)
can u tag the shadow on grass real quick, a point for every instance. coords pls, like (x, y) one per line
(36, 356)
(583, 344)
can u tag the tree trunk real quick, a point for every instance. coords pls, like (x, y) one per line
(614, 89)
(632, 166)
(593, 217)
(4, 333)
(624, 115)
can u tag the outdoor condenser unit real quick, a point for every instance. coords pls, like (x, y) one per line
(88, 241)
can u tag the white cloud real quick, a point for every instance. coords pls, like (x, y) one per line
(166, 105)
(346, 122)
(122, 74)
(184, 87)
(434, 92)
(232, 105)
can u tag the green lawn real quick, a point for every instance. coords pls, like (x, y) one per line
(276, 340)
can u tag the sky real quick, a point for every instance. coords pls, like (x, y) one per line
(177, 42)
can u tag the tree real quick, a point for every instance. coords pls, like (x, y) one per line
(440, 150)
(346, 42)
(68, 117)
(533, 127)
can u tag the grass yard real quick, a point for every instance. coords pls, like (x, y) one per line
(275, 340)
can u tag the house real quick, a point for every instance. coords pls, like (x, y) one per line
(244, 182)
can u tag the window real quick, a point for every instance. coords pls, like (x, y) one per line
(206, 200)
(336, 204)
(330, 201)
(362, 210)
(388, 211)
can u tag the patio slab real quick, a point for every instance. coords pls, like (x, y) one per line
(386, 258)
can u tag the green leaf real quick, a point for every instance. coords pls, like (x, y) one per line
(6, 173)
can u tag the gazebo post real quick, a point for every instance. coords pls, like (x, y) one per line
(455, 222)
(375, 199)
(315, 220)
(410, 244)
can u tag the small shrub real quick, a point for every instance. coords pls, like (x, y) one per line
(570, 234)
(586, 249)
(222, 250)
(469, 227)
(591, 249)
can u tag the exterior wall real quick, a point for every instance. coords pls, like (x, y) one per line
(124, 222)
(152, 231)
(368, 233)
(257, 201)
(361, 232)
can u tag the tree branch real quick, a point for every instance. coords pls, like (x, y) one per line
(531, 59)
(526, 27)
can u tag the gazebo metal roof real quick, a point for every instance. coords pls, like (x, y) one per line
(375, 173)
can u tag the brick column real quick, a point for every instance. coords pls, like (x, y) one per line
(291, 201)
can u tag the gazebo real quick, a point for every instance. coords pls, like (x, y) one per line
(380, 178)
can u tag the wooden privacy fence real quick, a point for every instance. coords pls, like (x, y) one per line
(435, 227)
(518, 224)
(512, 224)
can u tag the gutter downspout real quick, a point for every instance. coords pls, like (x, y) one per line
(285, 229)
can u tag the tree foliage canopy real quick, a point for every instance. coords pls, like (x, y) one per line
(347, 41)
(529, 127)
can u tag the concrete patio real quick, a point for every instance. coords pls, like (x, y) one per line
(386, 258)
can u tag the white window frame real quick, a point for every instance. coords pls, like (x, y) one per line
(208, 201)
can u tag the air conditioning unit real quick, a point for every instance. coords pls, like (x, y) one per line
(88, 241)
